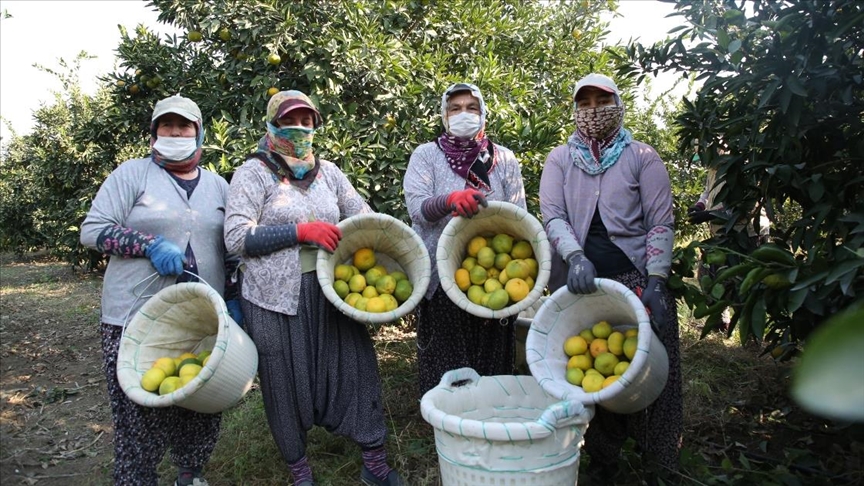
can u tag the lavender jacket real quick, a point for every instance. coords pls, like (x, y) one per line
(634, 197)
(429, 175)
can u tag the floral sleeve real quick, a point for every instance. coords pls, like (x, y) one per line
(125, 242)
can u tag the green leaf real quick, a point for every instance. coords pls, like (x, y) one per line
(795, 85)
(734, 46)
(842, 269)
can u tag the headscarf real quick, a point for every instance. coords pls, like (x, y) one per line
(186, 108)
(474, 159)
(592, 153)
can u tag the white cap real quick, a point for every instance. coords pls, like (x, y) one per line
(459, 87)
(597, 81)
(179, 105)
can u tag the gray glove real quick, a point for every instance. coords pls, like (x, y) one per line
(652, 298)
(580, 277)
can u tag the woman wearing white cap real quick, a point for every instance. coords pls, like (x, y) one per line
(161, 213)
(455, 175)
(606, 202)
(316, 365)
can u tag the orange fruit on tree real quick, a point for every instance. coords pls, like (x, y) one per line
(272, 91)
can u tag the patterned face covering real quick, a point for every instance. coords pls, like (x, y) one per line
(294, 144)
(599, 122)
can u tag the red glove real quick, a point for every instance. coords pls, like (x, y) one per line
(466, 203)
(318, 233)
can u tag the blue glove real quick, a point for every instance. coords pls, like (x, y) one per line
(580, 277)
(652, 298)
(235, 311)
(166, 257)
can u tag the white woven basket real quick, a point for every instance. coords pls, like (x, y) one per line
(565, 314)
(396, 246)
(503, 430)
(499, 217)
(188, 317)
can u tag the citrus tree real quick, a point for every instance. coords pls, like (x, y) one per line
(779, 118)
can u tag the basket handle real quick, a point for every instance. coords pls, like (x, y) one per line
(150, 280)
(459, 378)
(562, 414)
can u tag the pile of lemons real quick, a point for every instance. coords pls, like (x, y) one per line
(599, 355)
(368, 286)
(497, 271)
(169, 374)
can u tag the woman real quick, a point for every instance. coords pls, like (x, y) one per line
(162, 213)
(317, 366)
(455, 175)
(606, 202)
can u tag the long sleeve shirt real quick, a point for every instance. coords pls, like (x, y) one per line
(429, 175)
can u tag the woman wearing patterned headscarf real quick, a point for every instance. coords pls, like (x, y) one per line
(161, 213)
(316, 365)
(606, 202)
(455, 175)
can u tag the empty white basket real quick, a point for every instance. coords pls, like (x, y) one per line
(565, 314)
(396, 246)
(188, 317)
(504, 430)
(498, 217)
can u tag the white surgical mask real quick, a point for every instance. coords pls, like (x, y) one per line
(176, 148)
(464, 125)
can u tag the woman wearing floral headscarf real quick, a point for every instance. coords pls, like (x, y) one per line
(455, 175)
(606, 202)
(317, 366)
(161, 213)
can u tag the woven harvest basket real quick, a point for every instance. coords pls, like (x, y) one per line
(565, 314)
(503, 430)
(396, 246)
(499, 217)
(188, 317)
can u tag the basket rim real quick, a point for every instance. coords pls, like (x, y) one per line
(326, 281)
(459, 297)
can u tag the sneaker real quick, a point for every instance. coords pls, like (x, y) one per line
(190, 479)
(369, 479)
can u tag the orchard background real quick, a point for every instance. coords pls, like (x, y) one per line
(775, 106)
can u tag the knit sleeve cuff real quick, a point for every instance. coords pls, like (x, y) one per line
(659, 250)
(562, 237)
(263, 240)
(435, 208)
(125, 242)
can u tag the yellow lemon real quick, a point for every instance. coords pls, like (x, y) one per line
(357, 283)
(609, 380)
(486, 257)
(592, 382)
(621, 367)
(605, 363)
(574, 376)
(502, 243)
(369, 292)
(602, 329)
(170, 384)
(152, 378)
(392, 303)
(189, 369)
(475, 245)
(343, 272)
(521, 250)
(403, 291)
(341, 288)
(385, 285)
(351, 298)
(376, 304)
(364, 259)
(615, 341)
(167, 365)
(575, 345)
(185, 379)
(517, 289)
(598, 346)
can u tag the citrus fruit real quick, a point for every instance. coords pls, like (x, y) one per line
(399, 275)
(187, 362)
(517, 289)
(463, 279)
(605, 363)
(385, 285)
(403, 291)
(493, 273)
(521, 250)
(469, 263)
(602, 329)
(587, 335)
(369, 292)
(503, 277)
(501, 260)
(205, 360)
(152, 378)
(272, 91)
(502, 243)
(167, 365)
(533, 267)
(475, 244)
(391, 301)
(203, 355)
(621, 367)
(364, 259)
(631, 332)
(190, 370)
(498, 299)
(630, 345)
(615, 341)
(592, 382)
(357, 283)
(351, 298)
(581, 361)
(491, 285)
(343, 272)
(609, 380)
(517, 269)
(598, 346)
(341, 288)
(194, 36)
(373, 274)
(475, 294)
(187, 356)
(574, 376)
(376, 304)
(486, 257)
(477, 275)
(274, 59)
(575, 345)
(361, 303)
(224, 34)
(170, 384)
